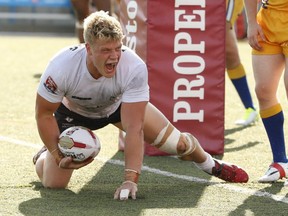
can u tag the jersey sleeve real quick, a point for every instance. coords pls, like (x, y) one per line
(137, 89)
(51, 86)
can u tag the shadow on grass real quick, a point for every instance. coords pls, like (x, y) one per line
(37, 76)
(259, 205)
(96, 197)
(235, 130)
(228, 141)
(244, 146)
(157, 192)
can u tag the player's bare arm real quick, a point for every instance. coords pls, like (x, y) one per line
(254, 32)
(132, 118)
(47, 125)
(49, 133)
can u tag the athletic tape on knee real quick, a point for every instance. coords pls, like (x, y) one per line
(167, 139)
(191, 142)
(160, 136)
(170, 146)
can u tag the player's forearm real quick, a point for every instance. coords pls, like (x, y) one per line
(134, 150)
(49, 133)
(251, 10)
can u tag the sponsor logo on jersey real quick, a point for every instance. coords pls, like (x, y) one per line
(50, 85)
(68, 119)
(80, 98)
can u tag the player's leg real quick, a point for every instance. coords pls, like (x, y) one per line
(162, 134)
(267, 72)
(47, 170)
(286, 84)
(81, 10)
(104, 5)
(237, 75)
(49, 173)
(286, 74)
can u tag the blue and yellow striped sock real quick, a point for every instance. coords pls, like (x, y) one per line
(239, 80)
(273, 120)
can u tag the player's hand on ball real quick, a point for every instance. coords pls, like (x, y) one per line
(68, 163)
(128, 188)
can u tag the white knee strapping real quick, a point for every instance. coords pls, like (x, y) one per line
(192, 143)
(160, 135)
(168, 142)
(170, 145)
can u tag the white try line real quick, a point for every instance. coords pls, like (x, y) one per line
(230, 187)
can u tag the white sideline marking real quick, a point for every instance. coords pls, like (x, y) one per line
(230, 187)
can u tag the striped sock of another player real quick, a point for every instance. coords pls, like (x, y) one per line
(239, 80)
(273, 120)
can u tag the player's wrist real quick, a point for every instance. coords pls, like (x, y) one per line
(57, 154)
(131, 175)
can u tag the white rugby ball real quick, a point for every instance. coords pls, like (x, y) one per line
(79, 143)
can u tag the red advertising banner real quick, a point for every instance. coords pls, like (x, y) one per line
(183, 44)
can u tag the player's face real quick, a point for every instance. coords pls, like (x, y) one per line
(103, 57)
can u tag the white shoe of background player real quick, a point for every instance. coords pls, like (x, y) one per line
(275, 172)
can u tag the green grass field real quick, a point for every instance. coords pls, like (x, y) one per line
(167, 185)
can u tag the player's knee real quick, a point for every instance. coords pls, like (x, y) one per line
(172, 141)
(191, 143)
(54, 184)
(188, 144)
(50, 174)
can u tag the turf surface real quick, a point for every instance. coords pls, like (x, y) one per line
(167, 186)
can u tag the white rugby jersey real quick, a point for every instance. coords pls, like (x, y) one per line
(67, 80)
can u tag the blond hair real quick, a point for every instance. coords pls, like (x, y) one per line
(100, 25)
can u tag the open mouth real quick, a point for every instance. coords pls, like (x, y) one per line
(111, 67)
